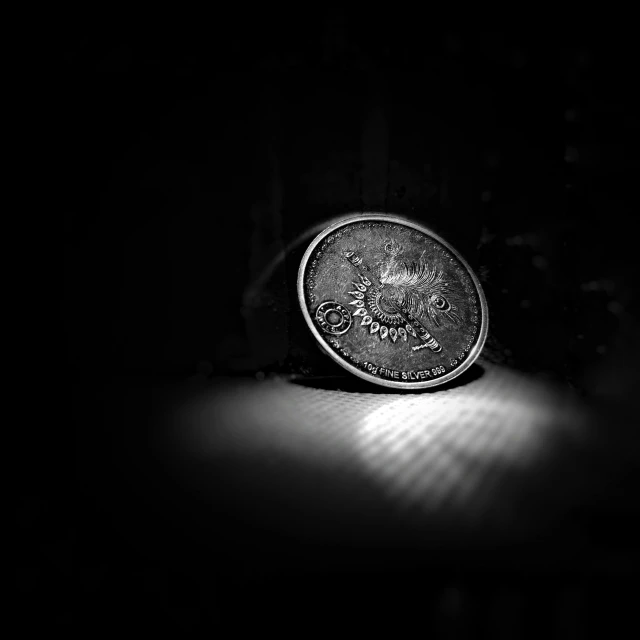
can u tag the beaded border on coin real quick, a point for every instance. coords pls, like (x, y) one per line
(382, 217)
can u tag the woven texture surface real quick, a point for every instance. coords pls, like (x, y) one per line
(498, 454)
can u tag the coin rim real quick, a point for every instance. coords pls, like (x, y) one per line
(473, 354)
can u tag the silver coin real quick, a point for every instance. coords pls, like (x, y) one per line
(392, 302)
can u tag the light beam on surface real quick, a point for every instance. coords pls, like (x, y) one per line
(450, 450)
(472, 451)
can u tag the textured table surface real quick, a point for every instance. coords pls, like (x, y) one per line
(496, 458)
(499, 500)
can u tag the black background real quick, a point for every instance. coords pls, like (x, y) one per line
(192, 159)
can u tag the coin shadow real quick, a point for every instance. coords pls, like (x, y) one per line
(353, 384)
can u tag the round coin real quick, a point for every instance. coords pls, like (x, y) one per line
(392, 302)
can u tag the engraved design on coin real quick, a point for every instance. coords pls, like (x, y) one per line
(379, 308)
(408, 293)
(418, 288)
(420, 310)
(333, 318)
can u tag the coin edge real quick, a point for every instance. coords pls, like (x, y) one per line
(365, 216)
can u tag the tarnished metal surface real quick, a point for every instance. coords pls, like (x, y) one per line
(392, 302)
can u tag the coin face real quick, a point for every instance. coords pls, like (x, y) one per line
(392, 302)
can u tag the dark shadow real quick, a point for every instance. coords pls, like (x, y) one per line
(353, 384)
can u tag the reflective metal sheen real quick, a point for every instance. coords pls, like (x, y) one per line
(392, 302)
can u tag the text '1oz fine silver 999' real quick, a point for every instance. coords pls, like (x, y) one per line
(392, 302)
